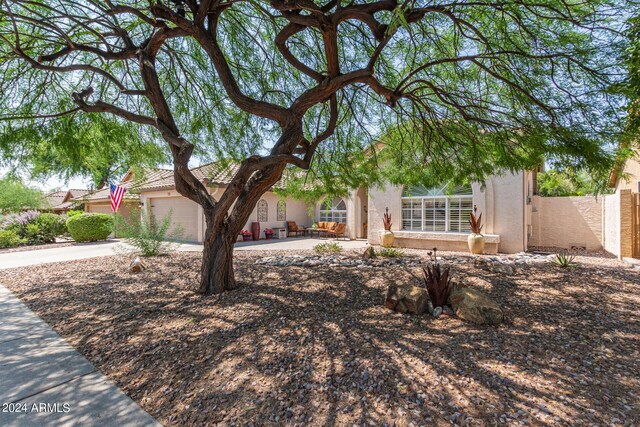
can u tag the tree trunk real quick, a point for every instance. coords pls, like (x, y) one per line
(217, 262)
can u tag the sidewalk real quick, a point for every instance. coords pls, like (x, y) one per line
(44, 381)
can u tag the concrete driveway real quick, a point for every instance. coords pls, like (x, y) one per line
(65, 253)
(114, 247)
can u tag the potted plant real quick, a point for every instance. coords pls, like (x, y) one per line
(246, 235)
(475, 239)
(386, 235)
(268, 233)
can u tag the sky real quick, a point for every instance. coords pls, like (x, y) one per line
(54, 183)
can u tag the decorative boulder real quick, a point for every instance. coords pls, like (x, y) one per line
(136, 265)
(406, 298)
(474, 306)
(369, 253)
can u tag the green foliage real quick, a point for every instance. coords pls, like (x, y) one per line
(481, 87)
(90, 227)
(555, 184)
(45, 228)
(564, 260)
(89, 145)
(148, 235)
(390, 252)
(16, 197)
(328, 248)
(74, 212)
(10, 239)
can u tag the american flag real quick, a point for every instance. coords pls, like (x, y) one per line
(116, 194)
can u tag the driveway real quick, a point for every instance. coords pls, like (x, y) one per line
(65, 253)
(115, 247)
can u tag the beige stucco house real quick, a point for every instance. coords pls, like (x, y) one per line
(515, 218)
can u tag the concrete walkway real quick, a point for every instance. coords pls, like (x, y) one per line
(45, 382)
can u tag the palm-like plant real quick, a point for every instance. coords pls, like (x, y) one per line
(436, 280)
(475, 221)
(564, 260)
(386, 220)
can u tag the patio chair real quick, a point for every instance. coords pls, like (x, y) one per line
(295, 229)
(338, 230)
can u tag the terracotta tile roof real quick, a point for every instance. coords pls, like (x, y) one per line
(55, 198)
(217, 173)
(78, 192)
(214, 172)
(132, 185)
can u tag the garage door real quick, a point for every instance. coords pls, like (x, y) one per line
(184, 212)
(104, 209)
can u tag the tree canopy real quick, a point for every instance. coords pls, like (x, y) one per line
(452, 90)
(16, 196)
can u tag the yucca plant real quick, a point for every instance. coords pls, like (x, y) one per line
(386, 220)
(475, 221)
(564, 260)
(436, 280)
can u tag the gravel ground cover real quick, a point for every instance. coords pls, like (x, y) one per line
(313, 345)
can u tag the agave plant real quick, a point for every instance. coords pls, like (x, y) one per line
(475, 221)
(436, 280)
(564, 260)
(386, 220)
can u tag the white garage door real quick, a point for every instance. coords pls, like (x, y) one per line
(184, 212)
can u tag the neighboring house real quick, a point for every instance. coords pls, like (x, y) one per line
(61, 201)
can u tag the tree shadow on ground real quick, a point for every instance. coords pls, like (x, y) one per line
(315, 346)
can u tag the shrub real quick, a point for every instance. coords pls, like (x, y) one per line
(10, 239)
(74, 212)
(18, 222)
(328, 247)
(391, 252)
(150, 236)
(90, 227)
(564, 260)
(45, 228)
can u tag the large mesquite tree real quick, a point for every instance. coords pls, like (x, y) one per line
(457, 88)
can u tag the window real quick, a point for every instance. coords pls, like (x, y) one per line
(436, 209)
(263, 211)
(282, 210)
(334, 210)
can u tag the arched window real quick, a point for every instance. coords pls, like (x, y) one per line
(334, 210)
(436, 209)
(263, 211)
(282, 210)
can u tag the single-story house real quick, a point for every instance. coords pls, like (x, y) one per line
(61, 201)
(515, 218)
(161, 197)
(422, 218)
(98, 201)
